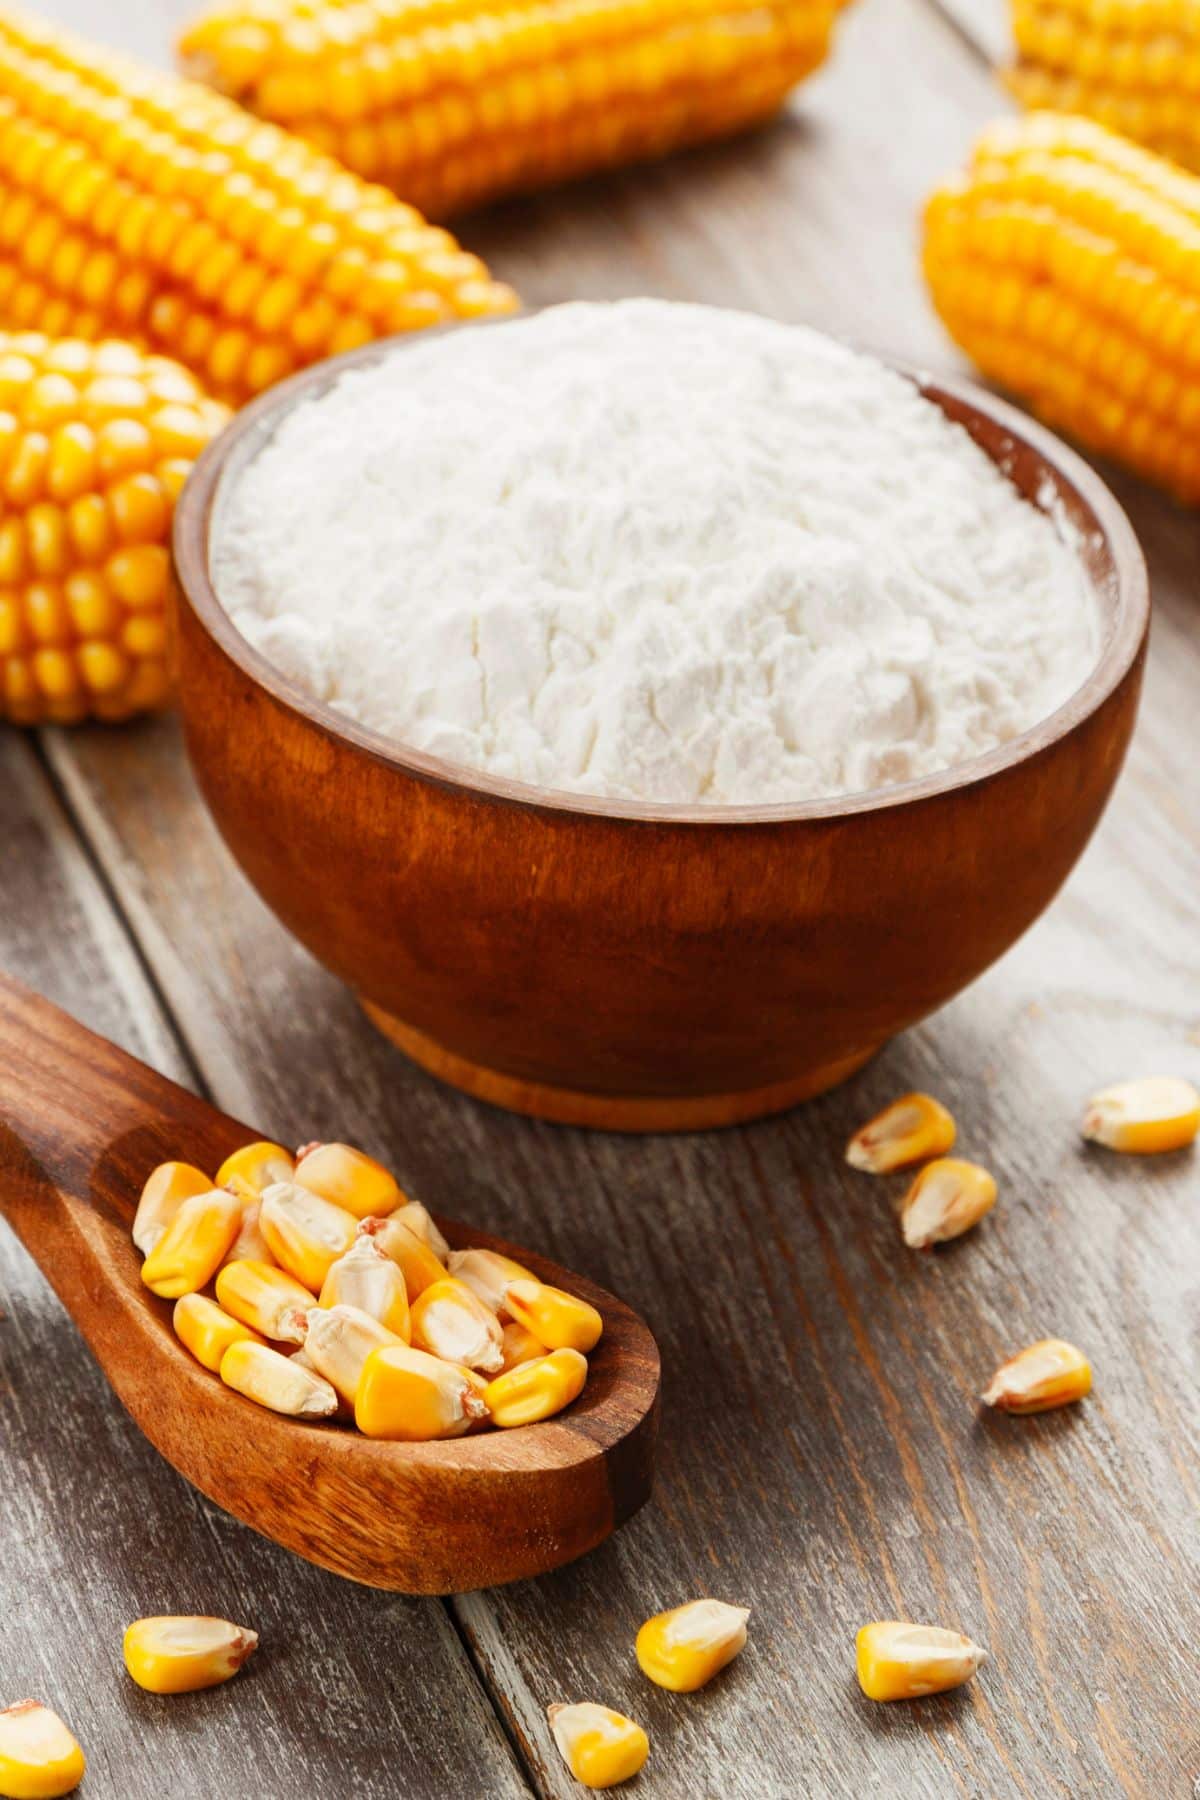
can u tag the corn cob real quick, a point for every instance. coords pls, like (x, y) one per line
(1066, 262)
(1132, 64)
(453, 102)
(140, 206)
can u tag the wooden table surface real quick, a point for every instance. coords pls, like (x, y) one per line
(823, 1458)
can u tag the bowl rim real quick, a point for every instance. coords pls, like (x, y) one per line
(1128, 608)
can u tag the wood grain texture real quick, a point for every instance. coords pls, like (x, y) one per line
(822, 1457)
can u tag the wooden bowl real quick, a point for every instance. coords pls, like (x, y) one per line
(647, 966)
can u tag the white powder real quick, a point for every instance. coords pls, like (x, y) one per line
(654, 552)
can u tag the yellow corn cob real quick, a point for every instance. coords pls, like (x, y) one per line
(417, 1262)
(909, 1130)
(560, 1320)
(258, 1165)
(39, 1758)
(165, 1191)
(306, 1234)
(537, 1390)
(267, 1299)
(278, 1382)
(946, 1199)
(339, 1341)
(451, 1321)
(519, 1346)
(452, 105)
(369, 1280)
(207, 1330)
(409, 1396)
(192, 1248)
(899, 1661)
(182, 1655)
(96, 441)
(1133, 65)
(488, 1274)
(1142, 1118)
(1050, 1373)
(140, 206)
(1066, 262)
(600, 1747)
(421, 1224)
(684, 1648)
(348, 1178)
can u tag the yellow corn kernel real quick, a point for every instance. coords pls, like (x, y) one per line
(560, 1320)
(266, 1298)
(519, 1346)
(417, 1262)
(599, 1746)
(899, 1661)
(488, 1274)
(1050, 1373)
(451, 1321)
(537, 1390)
(306, 1233)
(684, 1648)
(278, 1382)
(181, 1655)
(164, 1193)
(1141, 1118)
(369, 1280)
(420, 1222)
(339, 1341)
(410, 1397)
(207, 1330)
(258, 1165)
(946, 1199)
(249, 1245)
(39, 1758)
(348, 1178)
(192, 1248)
(912, 1129)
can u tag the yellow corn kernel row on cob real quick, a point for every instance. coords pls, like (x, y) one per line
(453, 102)
(1132, 64)
(140, 206)
(96, 441)
(1066, 262)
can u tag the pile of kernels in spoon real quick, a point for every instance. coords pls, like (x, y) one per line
(315, 1287)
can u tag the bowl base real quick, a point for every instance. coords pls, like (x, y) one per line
(611, 1112)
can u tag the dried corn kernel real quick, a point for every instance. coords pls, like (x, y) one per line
(599, 1746)
(369, 1280)
(488, 1274)
(451, 1321)
(409, 1396)
(946, 1199)
(164, 1193)
(348, 1178)
(339, 1341)
(1050, 1373)
(899, 1661)
(207, 1330)
(191, 1249)
(266, 1298)
(537, 1390)
(910, 1130)
(259, 1165)
(684, 1648)
(519, 1346)
(560, 1320)
(249, 1245)
(39, 1758)
(277, 1382)
(420, 1222)
(306, 1233)
(1144, 1117)
(416, 1261)
(180, 1655)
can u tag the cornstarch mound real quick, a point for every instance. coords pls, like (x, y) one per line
(653, 552)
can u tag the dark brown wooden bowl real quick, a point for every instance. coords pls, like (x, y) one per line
(645, 966)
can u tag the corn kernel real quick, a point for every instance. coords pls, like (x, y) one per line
(259, 1165)
(420, 1223)
(181, 1655)
(599, 1746)
(451, 1321)
(409, 1396)
(368, 1279)
(536, 1390)
(560, 1320)
(488, 1274)
(266, 1298)
(277, 1382)
(684, 1648)
(39, 1758)
(249, 1245)
(349, 1179)
(1050, 1373)
(946, 1199)
(519, 1346)
(899, 1661)
(1141, 1118)
(417, 1262)
(207, 1330)
(339, 1341)
(164, 1193)
(306, 1233)
(192, 1248)
(910, 1130)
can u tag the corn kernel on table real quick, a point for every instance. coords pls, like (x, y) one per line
(823, 1459)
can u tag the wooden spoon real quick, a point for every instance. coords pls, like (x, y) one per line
(81, 1126)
